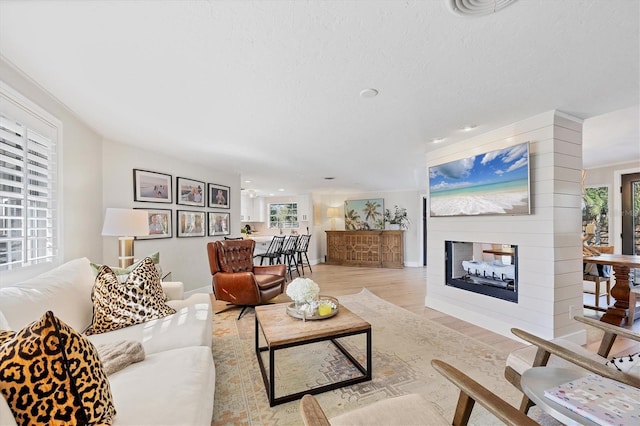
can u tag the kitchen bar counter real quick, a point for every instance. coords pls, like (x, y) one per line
(261, 238)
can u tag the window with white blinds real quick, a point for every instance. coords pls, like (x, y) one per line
(28, 188)
(283, 215)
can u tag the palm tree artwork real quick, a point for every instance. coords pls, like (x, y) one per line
(364, 214)
(351, 220)
(372, 211)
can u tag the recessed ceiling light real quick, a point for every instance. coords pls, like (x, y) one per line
(437, 140)
(478, 7)
(329, 178)
(281, 189)
(368, 93)
(469, 127)
(271, 194)
(247, 181)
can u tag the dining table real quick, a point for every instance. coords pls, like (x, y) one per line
(618, 312)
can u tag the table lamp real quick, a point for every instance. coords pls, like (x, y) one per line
(125, 224)
(333, 212)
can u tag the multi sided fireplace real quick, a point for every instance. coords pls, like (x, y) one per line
(485, 268)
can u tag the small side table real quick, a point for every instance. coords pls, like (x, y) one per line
(535, 380)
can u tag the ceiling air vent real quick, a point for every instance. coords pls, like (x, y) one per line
(477, 7)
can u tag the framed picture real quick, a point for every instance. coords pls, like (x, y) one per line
(159, 224)
(151, 187)
(218, 196)
(190, 192)
(364, 214)
(190, 223)
(491, 183)
(219, 223)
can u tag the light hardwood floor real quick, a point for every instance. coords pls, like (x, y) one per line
(406, 288)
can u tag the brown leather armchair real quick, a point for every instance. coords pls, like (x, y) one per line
(236, 280)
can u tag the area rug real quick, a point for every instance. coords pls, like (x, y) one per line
(403, 346)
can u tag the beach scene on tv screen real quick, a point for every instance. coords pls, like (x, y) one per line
(495, 182)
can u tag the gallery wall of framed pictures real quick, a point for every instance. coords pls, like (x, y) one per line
(156, 187)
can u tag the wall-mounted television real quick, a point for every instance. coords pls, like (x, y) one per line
(496, 182)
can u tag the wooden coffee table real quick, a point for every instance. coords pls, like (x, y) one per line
(281, 331)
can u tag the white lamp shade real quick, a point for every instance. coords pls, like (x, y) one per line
(333, 212)
(125, 223)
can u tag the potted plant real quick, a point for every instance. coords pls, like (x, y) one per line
(398, 219)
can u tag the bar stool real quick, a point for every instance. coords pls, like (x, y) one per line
(274, 251)
(301, 250)
(289, 253)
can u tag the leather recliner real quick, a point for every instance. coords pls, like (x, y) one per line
(236, 280)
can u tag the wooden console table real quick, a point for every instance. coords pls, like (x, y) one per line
(374, 249)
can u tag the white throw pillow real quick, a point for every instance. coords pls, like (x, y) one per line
(65, 290)
(123, 273)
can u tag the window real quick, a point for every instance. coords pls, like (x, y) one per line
(283, 215)
(28, 183)
(595, 214)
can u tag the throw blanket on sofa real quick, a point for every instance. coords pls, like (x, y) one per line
(117, 355)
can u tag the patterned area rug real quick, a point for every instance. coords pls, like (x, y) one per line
(403, 346)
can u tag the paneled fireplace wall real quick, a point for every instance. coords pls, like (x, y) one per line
(548, 240)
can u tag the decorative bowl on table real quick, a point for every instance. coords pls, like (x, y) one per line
(322, 308)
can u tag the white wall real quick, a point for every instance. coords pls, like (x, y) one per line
(411, 200)
(548, 240)
(81, 191)
(185, 258)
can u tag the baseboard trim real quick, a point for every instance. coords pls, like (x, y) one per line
(492, 324)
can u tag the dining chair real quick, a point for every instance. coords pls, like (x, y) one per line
(634, 295)
(597, 281)
(301, 250)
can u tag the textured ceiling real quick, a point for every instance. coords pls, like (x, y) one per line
(271, 88)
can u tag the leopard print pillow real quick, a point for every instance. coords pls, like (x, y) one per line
(118, 305)
(6, 335)
(50, 374)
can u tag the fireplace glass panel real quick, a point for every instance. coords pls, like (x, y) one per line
(485, 268)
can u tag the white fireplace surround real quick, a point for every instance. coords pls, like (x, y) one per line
(548, 240)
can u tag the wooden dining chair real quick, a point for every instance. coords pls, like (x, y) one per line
(598, 285)
(634, 295)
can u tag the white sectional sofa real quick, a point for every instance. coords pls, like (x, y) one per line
(173, 385)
